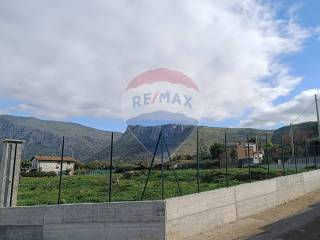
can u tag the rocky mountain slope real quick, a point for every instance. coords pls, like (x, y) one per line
(44, 137)
(135, 144)
(138, 143)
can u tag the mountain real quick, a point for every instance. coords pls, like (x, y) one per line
(138, 142)
(44, 137)
(306, 130)
(135, 144)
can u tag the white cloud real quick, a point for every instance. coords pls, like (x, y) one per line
(74, 58)
(299, 109)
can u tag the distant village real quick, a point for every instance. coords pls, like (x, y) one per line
(241, 154)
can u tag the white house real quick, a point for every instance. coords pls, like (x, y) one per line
(52, 164)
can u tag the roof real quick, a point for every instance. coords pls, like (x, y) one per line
(13, 141)
(54, 158)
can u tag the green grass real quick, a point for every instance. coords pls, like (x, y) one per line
(94, 188)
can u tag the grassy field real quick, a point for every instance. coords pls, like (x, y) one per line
(129, 186)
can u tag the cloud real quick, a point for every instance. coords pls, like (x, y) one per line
(74, 58)
(299, 109)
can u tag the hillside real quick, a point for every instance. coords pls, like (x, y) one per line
(138, 143)
(135, 144)
(44, 137)
(307, 130)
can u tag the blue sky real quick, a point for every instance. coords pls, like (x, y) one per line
(68, 63)
(306, 62)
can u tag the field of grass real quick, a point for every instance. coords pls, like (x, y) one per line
(129, 186)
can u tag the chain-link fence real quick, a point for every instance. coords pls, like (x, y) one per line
(162, 170)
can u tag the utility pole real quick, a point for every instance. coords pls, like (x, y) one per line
(317, 110)
(292, 148)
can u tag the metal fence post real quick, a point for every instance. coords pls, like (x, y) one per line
(226, 153)
(198, 166)
(282, 157)
(306, 155)
(315, 156)
(162, 169)
(61, 170)
(174, 170)
(248, 156)
(267, 156)
(110, 168)
(151, 165)
(295, 158)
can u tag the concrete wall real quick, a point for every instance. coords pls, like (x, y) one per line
(9, 172)
(173, 219)
(132, 220)
(192, 215)
(252, 198)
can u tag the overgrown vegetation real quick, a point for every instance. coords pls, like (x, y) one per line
(128, 185)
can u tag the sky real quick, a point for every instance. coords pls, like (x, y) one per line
(256, 63)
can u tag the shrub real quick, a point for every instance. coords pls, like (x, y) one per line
(209, 177)
(131, 174)
(39, 174)
(122, 169)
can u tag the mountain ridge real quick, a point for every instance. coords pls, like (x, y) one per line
(44, 136)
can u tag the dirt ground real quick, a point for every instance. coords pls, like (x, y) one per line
(298, 219)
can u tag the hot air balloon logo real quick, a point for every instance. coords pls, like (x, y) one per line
(161, 96)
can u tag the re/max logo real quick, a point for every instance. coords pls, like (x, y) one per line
(164, 97)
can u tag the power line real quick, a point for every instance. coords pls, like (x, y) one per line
(304, 112)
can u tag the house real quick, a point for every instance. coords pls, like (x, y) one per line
(253, 156)
(52, 164)
(237, 154)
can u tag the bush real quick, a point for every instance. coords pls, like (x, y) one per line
(39, 174)
(209, 177)
(123, 169)
(131, 174)
(80, 172)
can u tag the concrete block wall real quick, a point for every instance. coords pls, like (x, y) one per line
(311, 181)
(190, 216)
(252, 198)
(173, 219)
(290, 187)
(132, 220)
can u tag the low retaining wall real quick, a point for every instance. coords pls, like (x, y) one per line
(132, 220)
(173, 219)
(192, 215)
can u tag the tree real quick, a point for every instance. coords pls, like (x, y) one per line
(26, 164)
(215, 150)
(96, 165)
(203, 153)
(79, 165)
